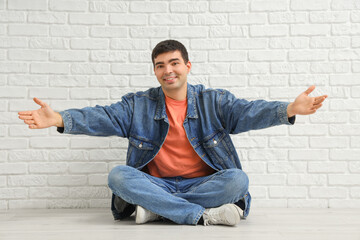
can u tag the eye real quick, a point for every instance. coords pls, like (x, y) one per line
(159, 66)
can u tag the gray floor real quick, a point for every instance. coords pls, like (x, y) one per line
(289, 224)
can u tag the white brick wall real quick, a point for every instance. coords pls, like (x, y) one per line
(77, 53)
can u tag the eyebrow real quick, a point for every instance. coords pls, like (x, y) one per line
(171, 60)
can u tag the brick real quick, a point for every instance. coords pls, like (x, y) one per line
(148, 7)
(48, 192)
(355, 16)
(219, 6)
(68, 5)
(27, 5)
(344, 130)
(327, 167)
(49, 68)
(69, 81)
(89, 44)
(289, 67)
(139, 56)
(345, 29)
(110, 155)
(131, 69)
(89, 143)
(287, 17)
(47, 168)
(311, 55)
(355, 192)
(13, 92)
(89, 93)
(247, 43)
(355, 117)
(345, 5)
(146, 32)
(49, 93)
(140, 81)
(289, 43)
(90, 68)
(210, 68)
(227, 56)
(226, 31)
(168, 19)
(13, 143)
(207, 19)
(67, 203)
(129, 44)
(13, 193)
(345, 154)
(330, 67)
(308, 154)
(288, 142)
(250, 68)
(329, 42)
(2, 181)
(69, 56)
(344, 105)
(273, 131)
(308, 5)
(355, 42)
(13, 68)
(269, 179)
(328, 192)
(13, 168)
(28, 30)
(309, 130)
(247, 18)
(270, 203)
(27, 80)
(268, 31)
(286, 167)
(89, 192)
(188, 32)
(87, 167)
(309, 79)
(68, 155)
(230, 81)
(48, 142)
(109, 81)
(287, 192)
(273, 55)
(87, 18)
(49, 43)
(50, 18)
(109, 7)
(128, 19)
(307, 179)
(276, 5)
(27, 180)
(11, 17)
(268, 80)
(24, 131)
(309, 29)
(254, 167)
(68, 31)
(329, 17)
(27, 155)
(98, 179)
(67, 180)
(344, 54)
(329, 142)
(309, 203)
(354, 167)
(355, 67)
(341, 179)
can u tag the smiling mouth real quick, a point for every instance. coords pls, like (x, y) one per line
(170, 79)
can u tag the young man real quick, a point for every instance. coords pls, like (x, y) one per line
(181, 163)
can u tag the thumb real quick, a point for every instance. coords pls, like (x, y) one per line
(309, 90)
(39, 102)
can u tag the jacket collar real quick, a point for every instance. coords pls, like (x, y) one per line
(160, 112)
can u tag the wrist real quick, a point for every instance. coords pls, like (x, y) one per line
(290, 110)
(59, 121)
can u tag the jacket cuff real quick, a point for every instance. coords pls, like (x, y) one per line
(282, 112)
(67, 122)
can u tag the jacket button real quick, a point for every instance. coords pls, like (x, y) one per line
(140, 145)
(215, 142)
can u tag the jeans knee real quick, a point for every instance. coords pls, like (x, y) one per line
(240, 181)
(116, 176)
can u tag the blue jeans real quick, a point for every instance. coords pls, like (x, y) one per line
(182, 200)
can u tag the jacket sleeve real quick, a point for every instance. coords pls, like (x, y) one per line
(239, 115)
(99, 120)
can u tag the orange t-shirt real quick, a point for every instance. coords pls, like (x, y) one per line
(177, 157)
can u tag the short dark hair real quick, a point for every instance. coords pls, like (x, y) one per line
(169, 46)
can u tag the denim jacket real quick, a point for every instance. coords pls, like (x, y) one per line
(212, 114)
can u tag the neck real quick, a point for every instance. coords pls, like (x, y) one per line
(177, 94)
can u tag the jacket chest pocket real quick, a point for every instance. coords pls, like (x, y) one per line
(218, 148)
(139, 152)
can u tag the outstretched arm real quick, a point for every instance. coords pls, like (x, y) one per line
(42, 118)
(305, 105)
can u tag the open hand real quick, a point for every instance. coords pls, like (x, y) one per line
(305, 105)
(42, 118)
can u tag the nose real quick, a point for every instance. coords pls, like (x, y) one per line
(168, 69)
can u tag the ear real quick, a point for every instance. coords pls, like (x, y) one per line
(188, 66)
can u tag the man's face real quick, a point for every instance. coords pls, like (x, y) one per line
(171, 72)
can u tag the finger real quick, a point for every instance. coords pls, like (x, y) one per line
(25, 113)
(316, 107)
(33, 127)
(39, 102)
(25, 117)
(319, 100)
(309, 90)
(29, 122)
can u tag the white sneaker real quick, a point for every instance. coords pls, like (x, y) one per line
(142, 215)
(227, 214)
